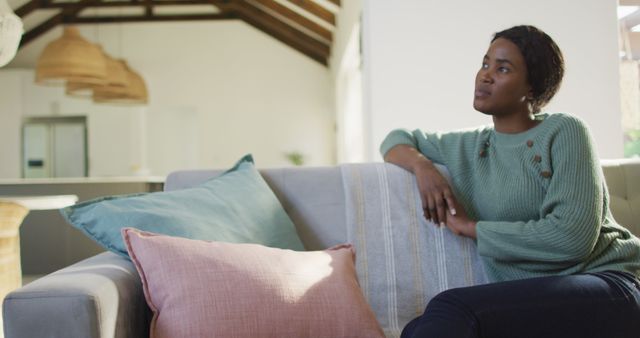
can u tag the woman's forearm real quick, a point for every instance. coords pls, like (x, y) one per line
(407, 157)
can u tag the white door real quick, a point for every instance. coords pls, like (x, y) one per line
(69, 150)
(37, 156)
(54, 147)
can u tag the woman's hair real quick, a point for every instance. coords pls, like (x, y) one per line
(545, 64)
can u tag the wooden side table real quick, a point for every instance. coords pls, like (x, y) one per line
(13, 209)
(11, 216)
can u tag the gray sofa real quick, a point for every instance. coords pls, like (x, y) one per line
(102, 296)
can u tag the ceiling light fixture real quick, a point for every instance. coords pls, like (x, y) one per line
(135, 93)
(116, 78)
(71, 58)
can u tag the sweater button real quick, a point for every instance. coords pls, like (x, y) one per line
(530, 143)
(545, 174)
(537, 158)
(483, 153)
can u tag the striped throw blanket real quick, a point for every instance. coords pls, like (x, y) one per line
(402, 259)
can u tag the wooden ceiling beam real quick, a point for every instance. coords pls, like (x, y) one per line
(27, 8)
(297, 18)
(55, 20)
(146, 18)
(65, 5)
(316, 10)
(40, 29)
(148, 8)
(282, 32)
(250, 13)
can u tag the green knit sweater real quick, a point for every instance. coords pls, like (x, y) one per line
(539, 198)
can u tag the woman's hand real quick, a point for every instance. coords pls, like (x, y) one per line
(460, 224)
(436, 194)
(438, 201)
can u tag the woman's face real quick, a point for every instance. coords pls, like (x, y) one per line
(501, 83)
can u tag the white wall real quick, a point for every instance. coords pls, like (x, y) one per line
(218, 90)
(346, 21)
(248, 92)
(10, 119)
(345, 63)
(421, 57)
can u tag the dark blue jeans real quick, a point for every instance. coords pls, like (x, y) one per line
(596, 305)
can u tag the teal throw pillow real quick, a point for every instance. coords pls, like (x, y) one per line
(237, 206)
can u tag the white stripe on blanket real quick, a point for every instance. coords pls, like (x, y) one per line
(402, 260)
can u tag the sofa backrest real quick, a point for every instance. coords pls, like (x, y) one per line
(312, 197)
(623, 181)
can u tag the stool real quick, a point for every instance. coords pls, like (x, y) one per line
(11, 216)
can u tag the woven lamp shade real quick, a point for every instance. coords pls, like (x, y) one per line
(117, 78)
(135, 93)
(71, 58)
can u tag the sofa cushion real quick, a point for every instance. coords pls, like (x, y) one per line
(403, 260)
(216, 289)
(236, 206)
(623, 182)
(312, 197)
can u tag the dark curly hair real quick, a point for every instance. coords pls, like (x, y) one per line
(545, 64)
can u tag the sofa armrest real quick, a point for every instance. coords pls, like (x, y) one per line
(98, 297)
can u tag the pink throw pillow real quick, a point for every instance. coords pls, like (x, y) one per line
(215, 289)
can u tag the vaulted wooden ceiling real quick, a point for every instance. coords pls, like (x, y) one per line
(305, 25)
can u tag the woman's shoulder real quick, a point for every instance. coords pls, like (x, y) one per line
(567, 130)
(565, 119)
(563, 123)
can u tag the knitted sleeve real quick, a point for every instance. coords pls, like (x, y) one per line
(427, 144)
(449, 149)
(570, 215)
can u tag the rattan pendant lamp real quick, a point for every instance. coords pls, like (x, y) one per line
(134, 93)
(131, 91)
(117, 77)
(71, 58)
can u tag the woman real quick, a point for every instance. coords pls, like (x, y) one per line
(530, 191)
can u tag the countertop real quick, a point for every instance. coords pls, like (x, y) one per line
(74, 180)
